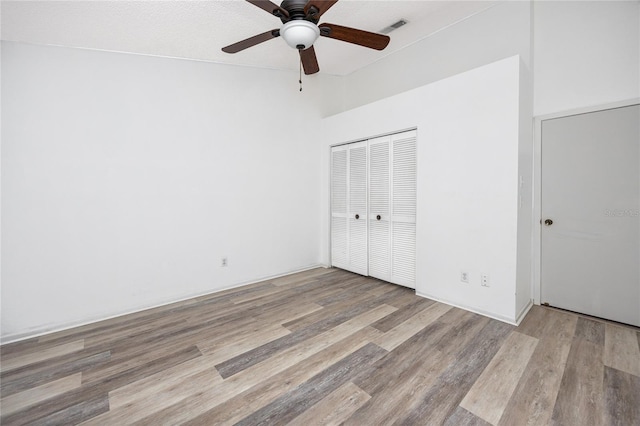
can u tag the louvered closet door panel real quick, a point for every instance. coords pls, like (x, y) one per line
(379, 229)
(357, 212)
(403, 208)
(404, 249)
(339, 228)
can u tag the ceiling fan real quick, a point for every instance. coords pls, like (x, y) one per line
(300, 30)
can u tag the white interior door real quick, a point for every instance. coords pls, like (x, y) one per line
(590, 252)
(348, 207)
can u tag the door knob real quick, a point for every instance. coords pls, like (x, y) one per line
(378, 217)
(357, 216)
(548, 222)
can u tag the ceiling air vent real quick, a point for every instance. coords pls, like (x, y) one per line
(393, 26)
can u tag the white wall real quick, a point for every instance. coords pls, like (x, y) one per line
(126, 178)
(525, 195)
(499, 32)
(586, 53)
(582, 53)
(468, 151)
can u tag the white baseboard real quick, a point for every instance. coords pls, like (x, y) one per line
(498, 317)
(523, 313)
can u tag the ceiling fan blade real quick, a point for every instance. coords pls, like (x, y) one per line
(309, 61)
(272, 8)
(352, 35)
(320, 5)
(251, 41)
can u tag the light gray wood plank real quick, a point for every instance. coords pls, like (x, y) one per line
(444, 396)
(580, 397)
(254, 356)
(127, 407)
(17, 381)
(534, 322)
(622, 397)
(335, 408)
(421, 358)
(462, 417)
(75, 414)
(264, 370)
(26, 398)
(403, 331)
(95, 391)
(294, 403)
(543, 322)
(403, 314)
(536, 393)
(490, 394)
(164, 381)
(339, 306)
(221, 351)
(69, 412)
(167, 355)
(16, 361)
(303, 276)
(590, 330)
(397, 393)
(266, 391)
(621, 350)
(356, 286)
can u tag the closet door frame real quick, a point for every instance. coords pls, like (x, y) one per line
(370, 215)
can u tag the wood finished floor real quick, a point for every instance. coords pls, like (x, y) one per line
(325, 347)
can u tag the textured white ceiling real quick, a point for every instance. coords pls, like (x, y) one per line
(199, 29)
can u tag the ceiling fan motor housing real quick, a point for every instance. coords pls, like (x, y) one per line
(296, 10)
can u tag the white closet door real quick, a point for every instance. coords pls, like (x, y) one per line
(357, 212)
(392, 208)
(379, 226)
(373, 208)
(339, 185)
(349, 207)
(403, 208)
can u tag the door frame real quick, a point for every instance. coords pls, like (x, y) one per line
(536, 226)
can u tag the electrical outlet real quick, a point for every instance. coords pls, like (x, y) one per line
(464, 276)
(223, 262)
(484, 280)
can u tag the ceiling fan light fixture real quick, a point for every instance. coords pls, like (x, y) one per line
(300, 34)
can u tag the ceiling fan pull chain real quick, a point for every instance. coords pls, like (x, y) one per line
(300, 80)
